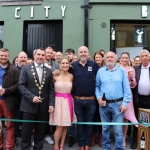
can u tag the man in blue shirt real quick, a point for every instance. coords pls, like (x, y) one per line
(84, 72)
(112, 80)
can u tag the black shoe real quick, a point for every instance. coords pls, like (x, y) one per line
(1, 148)
(71, 141)
(133, 145)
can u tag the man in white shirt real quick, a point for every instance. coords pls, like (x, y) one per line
(141, 93)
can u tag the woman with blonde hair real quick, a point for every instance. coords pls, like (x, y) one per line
(63, 114)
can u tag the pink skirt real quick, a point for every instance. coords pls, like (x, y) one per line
(63, 113)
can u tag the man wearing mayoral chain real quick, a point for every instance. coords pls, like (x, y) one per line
(37, 88)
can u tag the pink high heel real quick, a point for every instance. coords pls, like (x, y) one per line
(61, 148)
(55, 148)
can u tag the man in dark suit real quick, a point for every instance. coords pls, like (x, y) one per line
(37, 88)
(141, 93)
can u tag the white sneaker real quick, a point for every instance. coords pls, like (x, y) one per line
(33, 143)
(49, 140)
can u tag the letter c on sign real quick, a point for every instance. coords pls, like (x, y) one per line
(16, 12)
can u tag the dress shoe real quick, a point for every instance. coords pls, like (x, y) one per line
(71, 141)
(100, 140)
(81, 148)
(93, 139)
(133, 145)
(86, 148)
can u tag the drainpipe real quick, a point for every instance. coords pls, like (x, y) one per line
(86, 7)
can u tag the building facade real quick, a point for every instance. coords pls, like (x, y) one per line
(116, 25)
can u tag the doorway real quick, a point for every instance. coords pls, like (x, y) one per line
(40, 34)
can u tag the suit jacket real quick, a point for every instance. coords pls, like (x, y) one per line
(54, 65)
(29, 90)
(137, 77)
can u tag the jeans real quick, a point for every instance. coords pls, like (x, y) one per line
(85, 111)
(112, 109)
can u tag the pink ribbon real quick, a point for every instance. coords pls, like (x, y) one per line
(69, 97)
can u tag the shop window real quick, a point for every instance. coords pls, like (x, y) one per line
(129, 36)
(1, 35)
(20, 2)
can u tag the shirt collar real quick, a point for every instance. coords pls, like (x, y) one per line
(115, 68)
(87, 63)
(145, 67)
(4, 68)
(48, 63)
(36, 65)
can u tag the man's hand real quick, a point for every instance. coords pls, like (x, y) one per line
(2, 91)
(36, 100)
(100, 102)
(56, 72)
(51, 109)
(123, 108)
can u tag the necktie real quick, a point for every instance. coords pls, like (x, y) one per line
(40, 72)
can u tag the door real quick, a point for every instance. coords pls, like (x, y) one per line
(41, 35)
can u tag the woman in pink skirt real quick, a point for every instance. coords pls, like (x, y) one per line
(63, 114)
(129, 114)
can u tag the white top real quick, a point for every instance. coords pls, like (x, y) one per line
(144, 82)
(37, 66)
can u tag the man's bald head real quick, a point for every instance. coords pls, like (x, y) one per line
(22, 59)
(83, 53)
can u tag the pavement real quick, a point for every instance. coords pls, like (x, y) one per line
(46, 146)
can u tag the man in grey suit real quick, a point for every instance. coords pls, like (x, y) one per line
(37, 88)
(54, 66)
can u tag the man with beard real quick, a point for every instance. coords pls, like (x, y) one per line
(9, 76)
(58, 56)
(84, 72)
(112, 81)
(22, 60)
(54, 66)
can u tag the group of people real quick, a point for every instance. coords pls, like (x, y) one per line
(62, 92)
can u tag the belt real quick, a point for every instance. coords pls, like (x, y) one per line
(144, 95)
(115, 100)
(85, 97)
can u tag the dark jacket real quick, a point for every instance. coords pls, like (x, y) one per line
(29, 90)
(10, 84)
(137, 77)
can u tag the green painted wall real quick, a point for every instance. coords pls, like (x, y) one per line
(100, 37)
(73, 23)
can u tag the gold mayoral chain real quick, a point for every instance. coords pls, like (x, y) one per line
(40, 86)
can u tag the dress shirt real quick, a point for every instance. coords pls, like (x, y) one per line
(114, 83)
(144, 82)
(37, 66)
(52, 65)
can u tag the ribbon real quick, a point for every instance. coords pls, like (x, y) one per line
(86, 123)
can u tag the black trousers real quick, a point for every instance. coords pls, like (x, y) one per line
(143, 101)
(39, 130)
